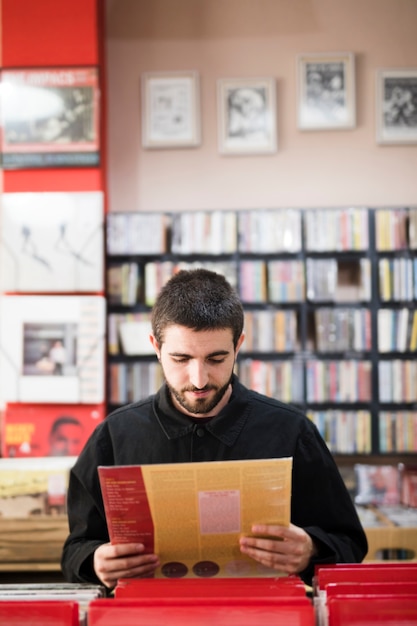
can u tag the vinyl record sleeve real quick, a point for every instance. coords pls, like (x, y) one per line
(39, 612)
(34, 487)
(52, 242)
(233, 587)
(188, 612)
(377, 484)
(192, 514)
(52, 349)
(50, 117)
(33, 430)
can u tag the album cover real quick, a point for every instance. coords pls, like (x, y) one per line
(52, 242)
(52, 349)
(408, 475)
(377, 484)
(47, 603)
(34, 487)
(50, 117)
(32, 430)
(192, 514)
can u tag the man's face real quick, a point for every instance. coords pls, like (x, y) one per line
(198, 366)
(66, 441)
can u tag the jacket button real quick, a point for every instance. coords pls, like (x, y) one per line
(200, 432)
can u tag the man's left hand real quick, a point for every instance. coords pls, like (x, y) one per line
(285, 549)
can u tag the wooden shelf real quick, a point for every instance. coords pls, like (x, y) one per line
(391, 538)
(30, 567)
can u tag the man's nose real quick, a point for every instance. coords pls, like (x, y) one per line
(198, 374)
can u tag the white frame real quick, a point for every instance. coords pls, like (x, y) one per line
(332, 106)
(386, 80)
(181, 91)
(253, 139)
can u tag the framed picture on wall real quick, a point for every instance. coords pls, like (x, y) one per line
(50, 117)
(396, 106)
(326, 91)
(170, 110)
(247, 116)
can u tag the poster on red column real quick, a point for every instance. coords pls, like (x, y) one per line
(50, 118)
(52, 242)
(33, 430)
(52, 349)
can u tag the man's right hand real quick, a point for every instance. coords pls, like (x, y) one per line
(123, 560)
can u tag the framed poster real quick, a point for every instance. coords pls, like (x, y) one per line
(326, 91)
(170, 110)
(52, 242)
(52, 349)
(396, 106)
(247, 116)
(50, 117)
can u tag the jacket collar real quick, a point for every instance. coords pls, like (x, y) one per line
(226, 426)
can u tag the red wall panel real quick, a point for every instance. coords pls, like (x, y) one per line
(49, 32)
(71, 179)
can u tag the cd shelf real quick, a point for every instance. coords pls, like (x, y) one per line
(330, 298)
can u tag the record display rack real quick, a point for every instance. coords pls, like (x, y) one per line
(330, 298)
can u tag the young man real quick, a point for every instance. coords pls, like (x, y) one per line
(203, 413)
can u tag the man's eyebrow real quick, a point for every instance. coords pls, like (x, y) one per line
(208, 356)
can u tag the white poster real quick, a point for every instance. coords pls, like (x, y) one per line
(52, 242)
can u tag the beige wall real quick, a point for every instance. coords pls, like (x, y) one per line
(256, 38)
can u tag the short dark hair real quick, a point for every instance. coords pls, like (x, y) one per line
(198, 299)
(63, 420)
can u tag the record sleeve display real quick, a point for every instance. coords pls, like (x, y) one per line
(32, 430)
(52, 242)
(52, 349)
(50, 117)
(34, 487)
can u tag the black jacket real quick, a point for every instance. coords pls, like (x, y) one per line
(251, 426)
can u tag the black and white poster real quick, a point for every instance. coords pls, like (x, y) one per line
(326, 91)
(397, 106)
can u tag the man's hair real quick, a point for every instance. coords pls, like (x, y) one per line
(198, 299)
(63, 420)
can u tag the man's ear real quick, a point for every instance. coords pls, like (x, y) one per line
(239, 342)
(155, 345)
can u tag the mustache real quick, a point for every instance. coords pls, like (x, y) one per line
(205, 388)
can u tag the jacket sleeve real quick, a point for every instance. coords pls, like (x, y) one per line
(322, 505)
(86, 517)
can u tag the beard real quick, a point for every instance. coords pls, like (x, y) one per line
(200, 406)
